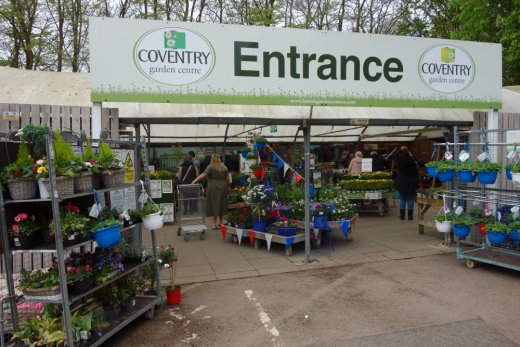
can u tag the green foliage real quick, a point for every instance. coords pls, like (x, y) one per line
(166, 257)
(63, 156)
(35, 135)
(444, 217)
(105, 223)
(72, 223)
(465, 166)
(42, 331)
(23, 167)
(88, 153)
(487, 166)
(251, 155)
(162, 175)
(515, 225)
(463, 220)
(431, 164)
(234, 197)
(107, 159)
(497, 227)
(149, 208)
(445, 165)
(368, 185)
(38, 279)
(81, 322)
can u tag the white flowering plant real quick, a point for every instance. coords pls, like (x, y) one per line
(258, 198)
(343, 209)
(166, 257)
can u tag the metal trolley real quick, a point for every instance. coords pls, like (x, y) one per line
(191, 211)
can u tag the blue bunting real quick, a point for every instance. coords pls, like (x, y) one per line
(275, 157)
(280, 164)
(289, 241)
(311, 191)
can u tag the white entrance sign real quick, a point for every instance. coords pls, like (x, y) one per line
(366, 165)
(180, 62)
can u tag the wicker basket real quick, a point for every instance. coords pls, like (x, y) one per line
(96, 181)
(22, 189)
(64, 185)
(83, 182)
(53, 293)
(113, 178)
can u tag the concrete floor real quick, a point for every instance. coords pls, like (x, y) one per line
(375, 239)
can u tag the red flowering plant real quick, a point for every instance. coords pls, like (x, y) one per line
(22, 168)
(322, 210)
(241, 217)
(79, 267)
(72, 223)
(25, 224)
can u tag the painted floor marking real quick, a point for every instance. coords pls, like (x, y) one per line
(264, 317)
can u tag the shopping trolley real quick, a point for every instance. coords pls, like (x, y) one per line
(191, 210)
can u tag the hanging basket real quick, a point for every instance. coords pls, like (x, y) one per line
(83, 182)
(509, 174)
(496, 238)
(153, 221)
(64, 185)
(515, 235)
(431, 171)
(113, 178)
(487, 177)
(107, 237)
(443, 227)
(446, 176)
(22, 189)
(461, 230)
(467, 176)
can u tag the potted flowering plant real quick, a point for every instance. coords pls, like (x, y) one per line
(106, 232)
(259, 142)
(167, 259)
(112, 168)
(74, 226)
(462, 224)
(321, 215)
(39, 283)
(89, 156)
(20, 176)
(497, 232)
(152, 216)
(22, 231)
(258, 199)
(42, 172)
(107, 263)
(80, 275)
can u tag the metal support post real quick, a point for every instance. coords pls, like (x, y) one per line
(306, 150)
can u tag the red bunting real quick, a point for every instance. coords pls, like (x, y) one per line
(298, 179)
(251, 237)
(223, 231)
(262, 174)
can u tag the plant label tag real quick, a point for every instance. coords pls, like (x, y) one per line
(94, 211)
(458, 210)
(448, 155)
(483, 156)
(445, 209)
(511, 155)
(142, 198)
(515, 215)
(126, 216)
(463, 156)
(515, 209)
(499, 216)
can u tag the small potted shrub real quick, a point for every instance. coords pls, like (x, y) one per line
(113, 169)
(152, 216)
(82, 326)
(64, 159)
(497, 232)
(462, 224)
(167, 259)
(515, 231)
(74, 226)
(20, 176)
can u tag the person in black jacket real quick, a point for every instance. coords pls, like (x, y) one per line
(406, 181)
(378, 161)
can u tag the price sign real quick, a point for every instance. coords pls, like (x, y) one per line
(373, 195)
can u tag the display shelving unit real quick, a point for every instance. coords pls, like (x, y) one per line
(145, 304)
(507, 256)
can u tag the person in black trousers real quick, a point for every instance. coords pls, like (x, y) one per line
(407, 180)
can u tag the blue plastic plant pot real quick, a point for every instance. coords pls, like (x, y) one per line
(496, 238)
(509, 176)
(320, 222)
(431, 171)
(287, 231)
(107, 237)
(244, 154)
(259, 147)
(467, 176)
(446, 176)
(461, 230)
(259, 225)
(515, 235)
(487, 177)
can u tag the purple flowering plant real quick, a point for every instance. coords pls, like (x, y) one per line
(107, 263)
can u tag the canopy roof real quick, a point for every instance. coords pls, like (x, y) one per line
(211, 123)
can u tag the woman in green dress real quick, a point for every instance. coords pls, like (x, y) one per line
(217, 190)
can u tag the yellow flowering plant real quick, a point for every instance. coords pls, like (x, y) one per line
(42, 170)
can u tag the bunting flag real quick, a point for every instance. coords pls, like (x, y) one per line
(281, 164)
(239, 235)
(268, 238)
(251, 237)
(344, 225)
(288, 242)
(285, 168)
(298, 178)
(223, 231)
(311, 191)
(275, 157)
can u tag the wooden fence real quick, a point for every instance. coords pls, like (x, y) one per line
(71, 118)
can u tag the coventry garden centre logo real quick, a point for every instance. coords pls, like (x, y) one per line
(174, 56)
(446, 69)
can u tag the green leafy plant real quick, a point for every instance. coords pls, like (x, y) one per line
(445, 165)
(23, 167)
(497, 227)
(72, 223)
(64, 156)
(35, 135)
(166, 257)
(251, 156)
(514, 225)
(515, 167)
(82, 323)
(80, 273)
(105, 223)
(431, 164)
(38, 279)
(107, 159)
(444, 217)
(487, 166)
(465, 166)
(255, 166)
(42, 331)
(463, 220)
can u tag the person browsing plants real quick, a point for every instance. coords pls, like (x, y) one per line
(216, 199)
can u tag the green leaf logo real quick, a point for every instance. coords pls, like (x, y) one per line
(174, 39)
(447, 55)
